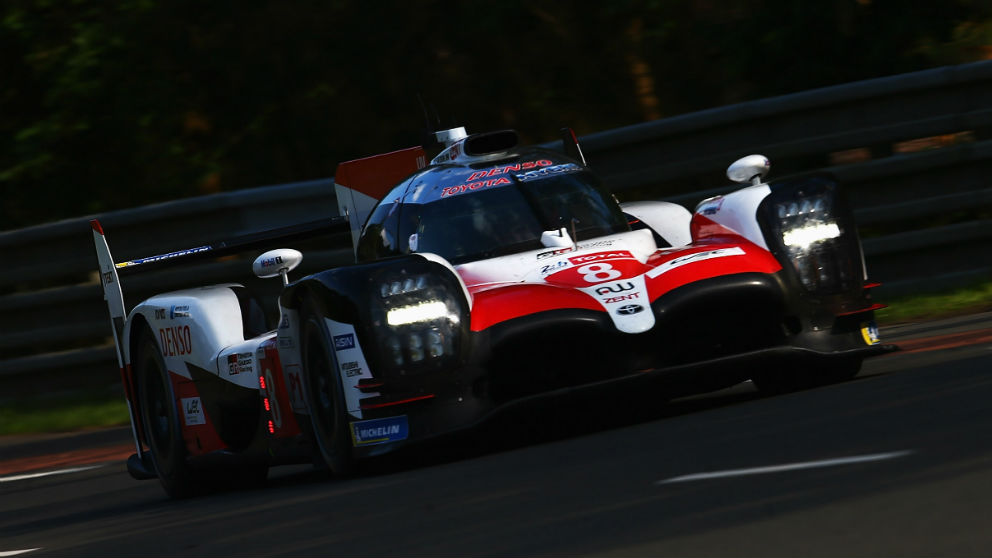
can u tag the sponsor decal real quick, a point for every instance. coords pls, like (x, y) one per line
(159, 258)
(621, 298)
(269, 262)
(176, 341)
(346, 341)
(550, 253)
(108, 278)
(284, 322)
(629, 309)
(286, 343)
(193, 411)
(586, 258)
(179, 312)
(551, 268)
(496, 171)
(615, 288)
(625, 301)
(379, 431)
(160, 313)
(597, 244)
(547, 171)
(710, 206)
(559, 251)
(351, 369)
(869, 332)
(240, 363)
(693, 258)
(452, 190)
(489, 174)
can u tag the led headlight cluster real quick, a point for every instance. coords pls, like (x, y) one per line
(421, 320)
(810, 228)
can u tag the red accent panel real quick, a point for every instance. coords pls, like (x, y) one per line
(875, 306)
(871, 285)
(496, 305)
(704, 228)
(200, 438)
(375, 176)
(287, 426)
(367, 406)
(96, 226)
(754, 260)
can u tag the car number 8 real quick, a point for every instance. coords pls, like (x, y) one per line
(598, 272)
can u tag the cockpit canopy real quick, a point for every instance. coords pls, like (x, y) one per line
(468, 213)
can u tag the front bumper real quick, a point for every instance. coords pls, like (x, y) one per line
(709, 335)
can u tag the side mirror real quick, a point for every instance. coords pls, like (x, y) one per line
(277, 262)
(556, 239)
(749, 170)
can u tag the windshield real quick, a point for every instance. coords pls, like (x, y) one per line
(481, 224)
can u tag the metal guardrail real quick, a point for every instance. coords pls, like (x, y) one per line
(926, 212)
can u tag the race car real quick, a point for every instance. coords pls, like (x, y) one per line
(493, 274)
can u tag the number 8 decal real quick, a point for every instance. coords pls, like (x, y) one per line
(598, 272)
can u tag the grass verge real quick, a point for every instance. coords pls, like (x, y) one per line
(65, 412)
(966, 300)
(81, 410)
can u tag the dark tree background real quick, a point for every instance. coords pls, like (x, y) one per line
(107, 104)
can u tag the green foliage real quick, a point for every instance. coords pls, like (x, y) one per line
(110, 104)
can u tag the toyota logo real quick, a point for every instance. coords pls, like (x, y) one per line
(629, 309)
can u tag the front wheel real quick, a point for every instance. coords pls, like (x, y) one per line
(328, 412)
(160, 420)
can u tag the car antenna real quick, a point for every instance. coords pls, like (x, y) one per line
(571, 145)
(428, 128)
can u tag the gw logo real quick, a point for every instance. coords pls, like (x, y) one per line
(615, 288)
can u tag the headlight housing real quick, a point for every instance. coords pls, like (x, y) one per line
(418, 318)
(809, 228)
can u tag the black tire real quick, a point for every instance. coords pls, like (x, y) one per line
(160, 420)
(328, 412)
(796, 376)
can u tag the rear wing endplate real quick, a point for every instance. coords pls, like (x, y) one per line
(361, 183)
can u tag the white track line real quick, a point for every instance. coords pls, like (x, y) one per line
(16, 552)
(787, 467)
(26, 476)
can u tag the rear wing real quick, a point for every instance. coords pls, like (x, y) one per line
(110, 273)
(361, 183)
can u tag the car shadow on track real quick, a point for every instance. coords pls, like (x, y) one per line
(550, 419)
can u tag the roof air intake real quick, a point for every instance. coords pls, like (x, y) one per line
(491, 142)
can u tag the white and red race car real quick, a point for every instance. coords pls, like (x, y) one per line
(495, 273)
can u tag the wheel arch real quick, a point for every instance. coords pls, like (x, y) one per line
(136, 325)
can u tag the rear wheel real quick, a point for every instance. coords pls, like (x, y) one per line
(328, 412)
(160, 420)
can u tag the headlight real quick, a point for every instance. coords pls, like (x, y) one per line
(806, 223)
(419, 320)
(427, 311)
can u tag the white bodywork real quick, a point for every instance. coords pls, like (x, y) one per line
(737, 212)
(196, 326)
(670, 220)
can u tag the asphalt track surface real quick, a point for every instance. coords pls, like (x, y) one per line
(897, 462)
